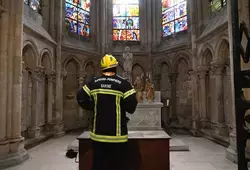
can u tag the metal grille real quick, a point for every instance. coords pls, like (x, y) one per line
(241, 81)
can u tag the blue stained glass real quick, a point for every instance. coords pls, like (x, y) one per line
(71, 11)
(119, 23)
(168, 29)
(168, 15)
(34, 4)
(181, 24)
(83, 30)
(71, 25)
(181, 10)
(78, 17)
(174, 16)
(133, 23)
(84, 17)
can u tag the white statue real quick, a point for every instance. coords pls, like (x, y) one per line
(128, 63)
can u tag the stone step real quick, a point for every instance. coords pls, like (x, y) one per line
(30, 143)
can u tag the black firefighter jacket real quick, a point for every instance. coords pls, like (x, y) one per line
(110, 97)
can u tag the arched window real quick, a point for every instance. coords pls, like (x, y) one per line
(126, 25)
(77, 17)
(174, 16)
(216, 5)
(34, 4)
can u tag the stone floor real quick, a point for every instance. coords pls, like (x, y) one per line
(203, 155)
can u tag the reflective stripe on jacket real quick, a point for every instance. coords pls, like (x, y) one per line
(110, 97)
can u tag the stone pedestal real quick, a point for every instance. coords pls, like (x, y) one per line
(147, 115)
(33, 132)
(12, 152)
(58, 128)
(231, 151)
(14, 158)
(221, 129)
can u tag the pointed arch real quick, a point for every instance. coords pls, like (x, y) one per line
(46, 53)
(30, 54)
(179, 57)
(137, 70)
(89, 62)
(74, 59)
(205, 48)
(30, 43)
(157, 65)
(207, 57)
(223, 51)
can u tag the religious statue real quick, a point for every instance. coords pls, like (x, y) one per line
(138, 86)
(149, 89)
(128, 63)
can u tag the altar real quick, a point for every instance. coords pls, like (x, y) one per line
(148, 144)
(147, 150)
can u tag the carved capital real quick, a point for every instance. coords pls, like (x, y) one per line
(173, 77)
(193, 74)
(63, 74)
(81, 77)
(23, 67)
(218, 69)
(202, 71)
(203, 74)
(51, 76)
(39, 73)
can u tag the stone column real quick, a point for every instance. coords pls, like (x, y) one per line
(58, 120)
(51, 78)
(219, 117)
(34, 130)
(195, 106)
(4, 143)
(52, 18)
(231, 152)
(81, 80)
(172, 79)
(202, 72)
(12, 150)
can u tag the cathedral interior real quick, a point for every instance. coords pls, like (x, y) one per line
(51, 48)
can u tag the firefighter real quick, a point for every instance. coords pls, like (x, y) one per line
(110, 97)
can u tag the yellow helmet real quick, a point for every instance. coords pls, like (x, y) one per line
(108, 61)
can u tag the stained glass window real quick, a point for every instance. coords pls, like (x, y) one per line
(216, 5)
(126, 20)
(34, 4)
(77, 17)
(174, 16)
